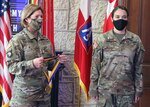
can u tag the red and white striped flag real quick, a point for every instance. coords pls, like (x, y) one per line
(83, 46)
(5, 34)
(108, 25)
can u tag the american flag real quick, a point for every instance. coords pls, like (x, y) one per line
(5, 34)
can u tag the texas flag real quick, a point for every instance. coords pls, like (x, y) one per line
(83, 46)
(108, 25)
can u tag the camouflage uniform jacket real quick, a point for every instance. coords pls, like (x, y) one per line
(29, 83)
(117, 66)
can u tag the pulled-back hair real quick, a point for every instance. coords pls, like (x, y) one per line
(27, 12)
(120, 7)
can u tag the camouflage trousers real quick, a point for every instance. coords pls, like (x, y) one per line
(33, 104)
(116, 101)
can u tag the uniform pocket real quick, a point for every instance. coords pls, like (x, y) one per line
(108, 69)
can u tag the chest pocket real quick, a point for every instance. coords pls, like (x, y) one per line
(31, 50)
(45, 48)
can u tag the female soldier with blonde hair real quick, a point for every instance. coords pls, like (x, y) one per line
(25, 57)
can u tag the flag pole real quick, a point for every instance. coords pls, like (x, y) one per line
(83, 46)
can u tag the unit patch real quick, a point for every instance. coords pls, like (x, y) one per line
(9, 54)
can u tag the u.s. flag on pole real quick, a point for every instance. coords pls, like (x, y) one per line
(83, 46)
(108, 25)
(5, 34)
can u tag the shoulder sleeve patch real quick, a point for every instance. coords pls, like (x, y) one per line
(9, 53)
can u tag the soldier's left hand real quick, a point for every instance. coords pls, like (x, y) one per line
(137, 99)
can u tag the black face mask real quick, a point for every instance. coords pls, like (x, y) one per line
(120, 24)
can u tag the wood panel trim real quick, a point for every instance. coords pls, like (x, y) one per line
(125, 3)
(140, 19)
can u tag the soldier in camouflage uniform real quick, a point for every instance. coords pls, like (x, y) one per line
(25, 57)
(116, 72)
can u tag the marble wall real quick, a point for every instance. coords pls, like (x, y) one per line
(65, 21)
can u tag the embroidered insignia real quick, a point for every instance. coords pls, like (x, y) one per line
(9, 54)
(85, 33)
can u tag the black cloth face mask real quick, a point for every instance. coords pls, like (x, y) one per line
(120, 24)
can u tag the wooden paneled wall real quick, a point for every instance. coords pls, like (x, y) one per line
(139, 18)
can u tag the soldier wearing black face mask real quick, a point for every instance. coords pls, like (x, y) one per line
(116, 72)
(120, 24)
(120, 21)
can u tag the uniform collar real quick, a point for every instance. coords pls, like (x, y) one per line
(30, 35)
(126, 36)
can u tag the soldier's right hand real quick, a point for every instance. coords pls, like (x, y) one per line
(38, 62)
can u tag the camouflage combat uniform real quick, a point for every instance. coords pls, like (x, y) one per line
(116, 72)
(29, 83)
